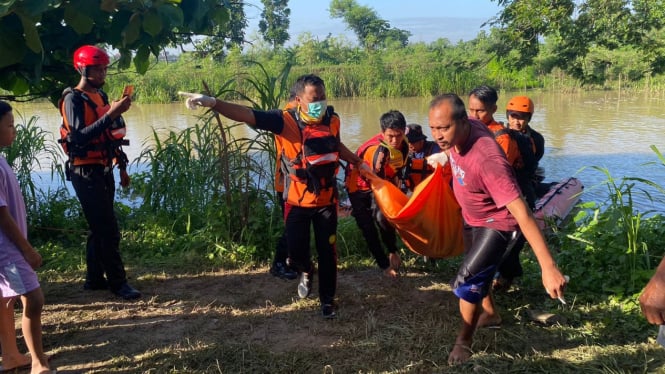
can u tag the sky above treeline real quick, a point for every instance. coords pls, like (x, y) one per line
(427, 20)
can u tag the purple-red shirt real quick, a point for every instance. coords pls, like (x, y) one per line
(11, 197)
(483, 181)
(16, 276)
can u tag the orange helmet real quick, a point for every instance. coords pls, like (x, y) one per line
(520, 104)
(89, 55)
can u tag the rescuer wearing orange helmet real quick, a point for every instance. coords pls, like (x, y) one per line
(519, 111)
(92, 136)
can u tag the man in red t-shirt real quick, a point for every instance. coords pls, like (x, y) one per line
(492, 206)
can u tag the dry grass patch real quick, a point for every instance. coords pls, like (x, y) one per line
(250, 322)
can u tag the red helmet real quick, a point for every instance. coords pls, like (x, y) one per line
(520, 104)
(89, 55)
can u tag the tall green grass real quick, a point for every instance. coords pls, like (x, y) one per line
(32, 150)
(408, 72)
(36, 158)
(184, 188)
(611, 246)
(215, 188)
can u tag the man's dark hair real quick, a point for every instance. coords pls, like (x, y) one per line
(306, 80)
(4, 108)
(394, 120)
(486, 94)
(292, 93)
(456, 104)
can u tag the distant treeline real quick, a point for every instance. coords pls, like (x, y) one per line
(402, 71)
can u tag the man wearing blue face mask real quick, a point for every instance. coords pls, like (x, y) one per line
(310, 151)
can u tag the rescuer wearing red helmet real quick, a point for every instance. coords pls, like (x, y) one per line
(92, 136)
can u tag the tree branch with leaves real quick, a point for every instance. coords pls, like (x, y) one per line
(38, 38)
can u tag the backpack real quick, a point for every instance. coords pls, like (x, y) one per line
(527, 163)
(318, 160)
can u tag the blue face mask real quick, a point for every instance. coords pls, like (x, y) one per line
(315, 111)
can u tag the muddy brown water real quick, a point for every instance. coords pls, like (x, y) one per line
(607, 129)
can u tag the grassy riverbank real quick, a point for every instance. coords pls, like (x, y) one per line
(199, 318)
(203, 225)
(210, 306)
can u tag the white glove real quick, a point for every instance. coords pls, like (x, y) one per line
(193, 100)
(440, 158)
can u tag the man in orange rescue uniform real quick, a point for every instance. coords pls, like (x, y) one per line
(311, 149)
(482, 106)
(386, 154)
(420, 148)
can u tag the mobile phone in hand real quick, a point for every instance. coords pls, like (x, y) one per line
(128, 90)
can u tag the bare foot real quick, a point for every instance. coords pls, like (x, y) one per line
(41, 366)
(390, 273)
(395, 261)
(460, 354)
(15, 362)
(489, 321)
(43, 371)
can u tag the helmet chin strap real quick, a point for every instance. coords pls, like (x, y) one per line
(84, 73)
(93, 83)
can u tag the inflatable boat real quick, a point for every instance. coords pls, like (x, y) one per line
(553, 208)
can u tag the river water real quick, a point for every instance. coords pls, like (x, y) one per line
(607, 129)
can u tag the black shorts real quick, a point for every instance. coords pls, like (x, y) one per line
(481, 260)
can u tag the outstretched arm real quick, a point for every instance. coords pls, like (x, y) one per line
(355, 160)
(236, 112)
(348, 156)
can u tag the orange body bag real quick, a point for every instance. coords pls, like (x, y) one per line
(430, 221)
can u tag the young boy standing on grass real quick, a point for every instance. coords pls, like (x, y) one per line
(18, 259)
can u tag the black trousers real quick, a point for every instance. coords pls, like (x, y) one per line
(368, 216)
(95, 189)
(324, 222)
(282, 248)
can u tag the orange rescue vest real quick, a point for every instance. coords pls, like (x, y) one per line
(310, 159)
(526, 162)
(369, 152)
(101, 150)
(417, 169)
(507, 143)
